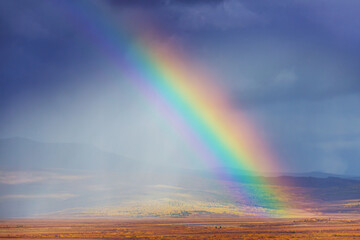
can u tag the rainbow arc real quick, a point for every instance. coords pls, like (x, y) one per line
(222, 136)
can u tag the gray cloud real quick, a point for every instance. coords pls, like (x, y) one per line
(293, 63)
(339, 18)
(154, 4)
(225, 15)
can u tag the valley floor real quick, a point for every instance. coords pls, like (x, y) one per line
(186, 228)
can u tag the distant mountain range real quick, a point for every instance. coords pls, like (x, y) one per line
(68, 179)
(318, 175)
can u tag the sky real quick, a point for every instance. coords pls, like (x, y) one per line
(291, 66)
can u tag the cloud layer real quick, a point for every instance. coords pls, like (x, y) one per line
(292, 66)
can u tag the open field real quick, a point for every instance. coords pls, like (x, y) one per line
(209, 228)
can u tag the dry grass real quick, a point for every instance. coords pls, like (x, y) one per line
(216, 228)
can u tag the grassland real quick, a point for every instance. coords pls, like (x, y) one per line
(187, 228)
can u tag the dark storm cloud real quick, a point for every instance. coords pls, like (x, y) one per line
(38, 43)
(303, 48)
(157, 3)
(294, 63)
(39, 40)
(194, 15)
(289, 51)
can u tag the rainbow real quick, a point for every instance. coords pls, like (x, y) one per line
(224, 138)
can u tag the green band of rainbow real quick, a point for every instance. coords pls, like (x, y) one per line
(224, 138)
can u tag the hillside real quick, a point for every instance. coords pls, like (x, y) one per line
(80, 180)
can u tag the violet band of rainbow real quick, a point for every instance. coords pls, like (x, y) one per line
(222, 136)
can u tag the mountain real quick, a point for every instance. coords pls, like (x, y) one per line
(77, 180)
(316, 174)
(314, 182)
